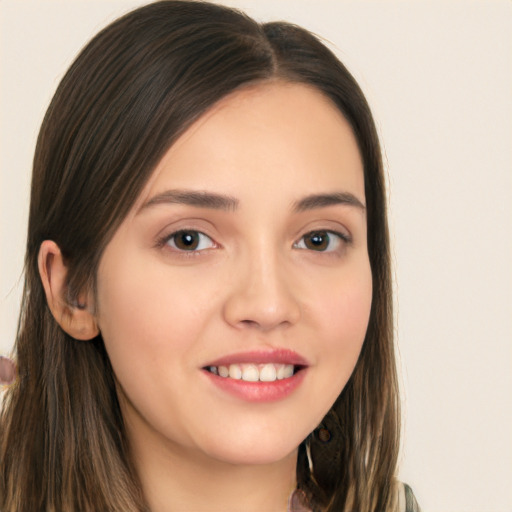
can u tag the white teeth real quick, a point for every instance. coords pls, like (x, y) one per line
(235, 372)
(268, 373)
(250, 373)
(253, 373)
(288, 371)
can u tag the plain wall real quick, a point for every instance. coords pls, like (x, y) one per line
(438, 76)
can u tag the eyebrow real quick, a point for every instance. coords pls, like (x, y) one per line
(211, 200)
(314, 201)
(194, 198)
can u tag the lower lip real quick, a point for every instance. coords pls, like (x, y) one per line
(258, 391)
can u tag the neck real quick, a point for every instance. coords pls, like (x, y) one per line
(176, 479)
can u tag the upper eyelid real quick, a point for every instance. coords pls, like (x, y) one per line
(340, 231)
(346, 238)
(176, 231)
(190, 225)
(331, 231)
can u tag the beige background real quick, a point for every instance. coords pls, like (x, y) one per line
(439, 78)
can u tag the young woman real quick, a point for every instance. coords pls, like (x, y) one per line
(206, 322)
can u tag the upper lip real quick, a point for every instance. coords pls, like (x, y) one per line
(279, 356)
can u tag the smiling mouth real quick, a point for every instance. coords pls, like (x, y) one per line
(249, 372)
(258, 375)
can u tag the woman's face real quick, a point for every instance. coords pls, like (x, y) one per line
(245, 256)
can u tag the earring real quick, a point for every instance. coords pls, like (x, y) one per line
(324, 435)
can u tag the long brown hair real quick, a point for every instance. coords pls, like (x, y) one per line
(128, 96)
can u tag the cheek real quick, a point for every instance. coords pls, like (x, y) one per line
(345, 301)
(348, 312)
(343, 314)
(145, 313)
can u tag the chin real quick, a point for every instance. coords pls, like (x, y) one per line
(255, 452)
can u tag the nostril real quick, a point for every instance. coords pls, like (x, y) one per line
(249, 323)
(260, 305)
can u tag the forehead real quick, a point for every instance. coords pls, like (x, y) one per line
(278, 134)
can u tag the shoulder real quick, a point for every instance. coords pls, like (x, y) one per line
(406, 500)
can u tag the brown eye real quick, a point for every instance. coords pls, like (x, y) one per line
(317, 241)
(189, 240)
(322, 241)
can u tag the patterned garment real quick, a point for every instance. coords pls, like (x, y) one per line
(406, 501)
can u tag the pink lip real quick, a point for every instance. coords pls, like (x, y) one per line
(258, 391)
(278, 356)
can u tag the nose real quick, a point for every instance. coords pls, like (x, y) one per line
(263, 295)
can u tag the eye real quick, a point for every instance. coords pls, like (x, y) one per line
(322, 241)
(189, 240)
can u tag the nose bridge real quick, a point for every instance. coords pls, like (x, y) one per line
(262, 294)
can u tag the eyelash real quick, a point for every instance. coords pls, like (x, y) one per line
(164, 241)
(342, 239)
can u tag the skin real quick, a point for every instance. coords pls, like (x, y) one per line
(7, 371)
(253, 284)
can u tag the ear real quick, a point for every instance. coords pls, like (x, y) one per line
(76, 319)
